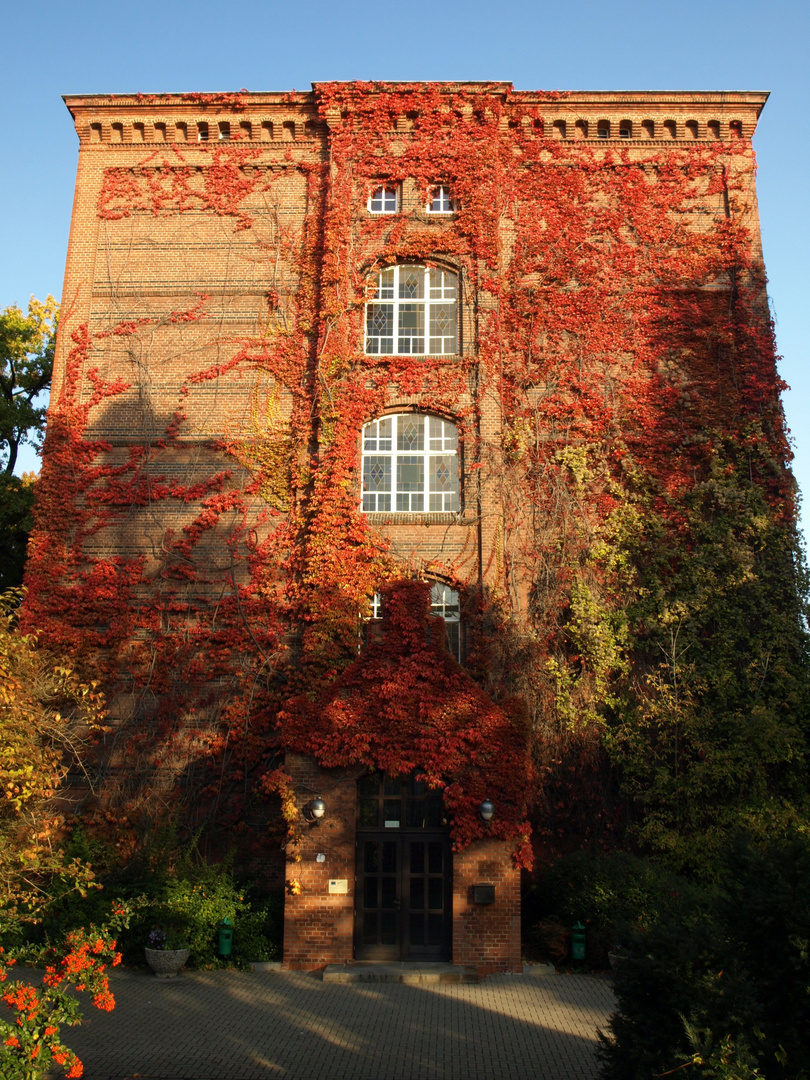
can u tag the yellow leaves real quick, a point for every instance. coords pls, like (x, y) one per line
(46, 712)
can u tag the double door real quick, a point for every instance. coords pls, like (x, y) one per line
(403, 895)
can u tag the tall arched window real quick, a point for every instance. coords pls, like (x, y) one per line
(410, 465)
(413, 311)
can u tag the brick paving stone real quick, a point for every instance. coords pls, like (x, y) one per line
(229, 1025)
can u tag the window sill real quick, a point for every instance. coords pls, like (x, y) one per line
(456, 518)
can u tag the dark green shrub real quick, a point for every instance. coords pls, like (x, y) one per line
(612, 895)
(731, 976)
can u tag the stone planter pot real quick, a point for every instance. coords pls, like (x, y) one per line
(166, 962)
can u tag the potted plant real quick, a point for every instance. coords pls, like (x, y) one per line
(167, 952)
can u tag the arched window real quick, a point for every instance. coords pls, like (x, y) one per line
(410, 465)
(443, 601)
(413, 312)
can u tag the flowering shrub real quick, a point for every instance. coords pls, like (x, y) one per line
(30, 1042)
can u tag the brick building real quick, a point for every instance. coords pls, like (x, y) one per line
(310, 338)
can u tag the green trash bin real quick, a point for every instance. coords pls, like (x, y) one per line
(225, 944)
(578, 941)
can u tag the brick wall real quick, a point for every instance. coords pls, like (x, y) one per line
(319, 925)
(139, 262)
(486, 935)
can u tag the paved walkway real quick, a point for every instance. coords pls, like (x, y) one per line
(230, 1025)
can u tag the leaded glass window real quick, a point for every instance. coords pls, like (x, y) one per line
(413, 312)
(410, 465)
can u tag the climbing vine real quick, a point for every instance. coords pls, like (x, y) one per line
(624, 452)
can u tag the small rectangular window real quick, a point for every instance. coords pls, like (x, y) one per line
(384, 200)
(440, 201)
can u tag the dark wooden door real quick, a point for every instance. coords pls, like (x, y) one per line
(403, 896)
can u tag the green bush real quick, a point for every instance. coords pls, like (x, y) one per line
(612, 895)
(181, 892)
(725, 987)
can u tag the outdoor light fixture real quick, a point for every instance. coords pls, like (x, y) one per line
(486, 810)
(316, 809)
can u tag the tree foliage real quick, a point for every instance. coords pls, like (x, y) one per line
(26, 364)
(46, 715)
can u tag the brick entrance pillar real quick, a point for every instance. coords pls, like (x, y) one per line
(486, 935)
(319, 901)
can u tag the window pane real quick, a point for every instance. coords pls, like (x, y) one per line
(411, 283)
(417, 857)
(443, 436)
(372, 861)
(442, 472)
(377, 435)
(376, 483)
(410, 474)
(444, 601)
(417, 890)
(411, 328)
(385, 285)
(442, 285)
(411, 433)
(380, 328)
(384, 201)
(442, 328)
(454, 638)
(441, 203)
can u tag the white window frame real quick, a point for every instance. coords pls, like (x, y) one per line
(440, 195)
(411, 311)
(410, 465)
(386, 196)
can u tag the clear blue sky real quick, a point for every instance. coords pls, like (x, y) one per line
(92, 47)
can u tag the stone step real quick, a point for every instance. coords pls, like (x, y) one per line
(402, 972)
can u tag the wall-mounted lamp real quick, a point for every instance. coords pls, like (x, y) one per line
(486, 810)
(315, 810)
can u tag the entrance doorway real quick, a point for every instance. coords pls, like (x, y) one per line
(404, 872)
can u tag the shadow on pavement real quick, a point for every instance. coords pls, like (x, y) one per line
(241, 1026)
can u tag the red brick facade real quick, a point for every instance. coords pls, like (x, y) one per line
(162, 230)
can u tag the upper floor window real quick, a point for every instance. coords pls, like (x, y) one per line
(443, 601)
(413, 312)
(410, 465)
(384, 200)
(440, 201)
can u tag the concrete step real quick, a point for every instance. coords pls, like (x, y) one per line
(401, 972)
